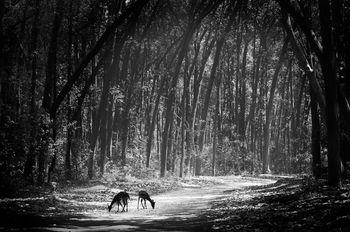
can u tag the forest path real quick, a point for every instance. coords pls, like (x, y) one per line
(180, 210)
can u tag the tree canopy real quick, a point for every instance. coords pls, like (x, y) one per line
(151, 87)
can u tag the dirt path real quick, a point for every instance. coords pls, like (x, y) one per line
(180, 210)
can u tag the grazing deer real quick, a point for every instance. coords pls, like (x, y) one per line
(143, 195)
(125, 200)
(121, 199)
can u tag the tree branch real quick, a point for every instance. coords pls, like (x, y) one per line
(134, 7)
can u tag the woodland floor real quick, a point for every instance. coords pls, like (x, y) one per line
(231, 203)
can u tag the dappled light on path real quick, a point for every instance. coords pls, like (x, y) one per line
(231, 203)
(180, 210)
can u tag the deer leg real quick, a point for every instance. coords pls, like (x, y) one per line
(125, 205)
(142, 203)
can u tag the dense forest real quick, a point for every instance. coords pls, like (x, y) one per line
(173, 88)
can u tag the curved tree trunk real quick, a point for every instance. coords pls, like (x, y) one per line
(219, 45)
(134, 9)
(171, 98)
(266, 149)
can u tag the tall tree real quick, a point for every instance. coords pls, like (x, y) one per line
(28, 170)
(132, 10)
(328, 64)
(267, 135)
(196, 15)
(219, 44)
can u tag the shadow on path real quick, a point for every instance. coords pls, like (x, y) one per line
(181, 210)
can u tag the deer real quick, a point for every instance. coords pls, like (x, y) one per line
(143, 195)
(121, 199)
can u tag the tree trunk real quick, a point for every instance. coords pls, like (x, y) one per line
(216, 128)
(316, 136)
(243, 93)
(305, 63)
(50, 99)
(103, 136)
(331, 90)
(196, 90)
(266, 151)
(172, 141)
(110, 118)
(212, 77)
(111, 64)
(281, 117)
(171, 97)
(113, 68)
(183, 121)
(127, 104)
(133, 9)
(255, 80)
(51, 71)
(296, 118)
(29, 164)
(52, 165)
(153, 122)
(124, 135)
(68, 166)
(191, 27)
(93, 141)
(238, 77)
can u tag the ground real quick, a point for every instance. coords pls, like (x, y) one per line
(232, 203)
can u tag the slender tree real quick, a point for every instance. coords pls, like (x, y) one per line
(267, 135)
